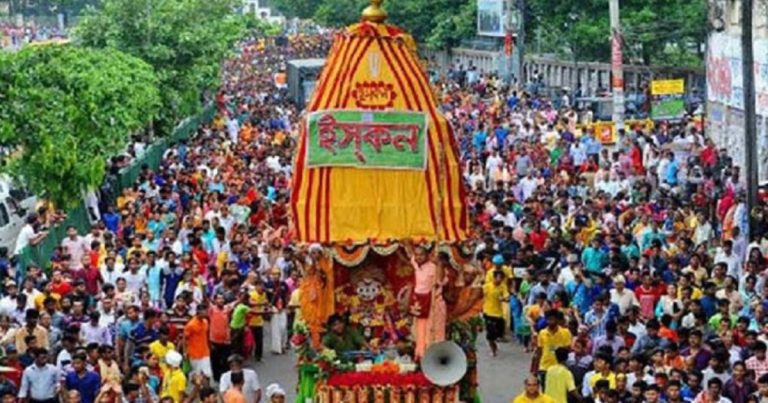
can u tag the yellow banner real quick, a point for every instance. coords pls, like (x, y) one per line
(667, 87)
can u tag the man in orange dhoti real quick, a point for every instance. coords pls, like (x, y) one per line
(317, 292)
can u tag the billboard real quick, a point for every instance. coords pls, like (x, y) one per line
(724, 72)
(490, 18)
(667, 99)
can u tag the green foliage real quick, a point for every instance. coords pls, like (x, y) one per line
(453, 26)
(338, 13)
(66, 109)
(437, 23)
(184, 40)
(303, 9)
(262, 27)
(655, 31)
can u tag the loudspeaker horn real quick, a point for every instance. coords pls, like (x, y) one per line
(444, 363)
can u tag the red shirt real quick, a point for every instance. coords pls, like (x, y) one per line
(538, 239)
(219, 318)
(94, 257)
(62, 288)
(15, 375)
(708, 156)
(91, 277)
(647, 299)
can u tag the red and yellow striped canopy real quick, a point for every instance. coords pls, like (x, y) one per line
(344, 204)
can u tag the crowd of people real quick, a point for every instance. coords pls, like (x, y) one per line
(625, 269)
(169, 294)
(15, 36)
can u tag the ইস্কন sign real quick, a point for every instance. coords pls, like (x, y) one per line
(367, 139)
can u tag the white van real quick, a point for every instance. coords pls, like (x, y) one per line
(15, 205)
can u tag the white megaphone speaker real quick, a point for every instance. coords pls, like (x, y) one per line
(444, 363)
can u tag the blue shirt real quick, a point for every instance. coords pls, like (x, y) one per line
(142, 335)
(112, 221)
(39, 383)
(501, 136)
(512, 102)
(593, 146)
(708, 305)
(478, 140)
(125, 328)
(672, 169)
(88, 385)
(596, 322)
(154, 281)
(579, 295)
(593, 259)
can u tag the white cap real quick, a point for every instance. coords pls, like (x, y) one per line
(173, 358)
(274, 390)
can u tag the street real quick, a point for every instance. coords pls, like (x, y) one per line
(501, 378)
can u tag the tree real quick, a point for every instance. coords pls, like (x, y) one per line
(184, 40)
(303, 9)
(436, 23)
(260, 27)
(66, 109)
(338, 13)
(452, 27)
(655, 31)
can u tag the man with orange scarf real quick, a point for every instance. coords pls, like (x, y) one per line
(316, 295)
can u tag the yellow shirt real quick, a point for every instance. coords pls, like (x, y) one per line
(295, 303)
(41, 336)
(493, 296)
(695, 293)
(133, 249)
(41, 297)
(159, 350)
(559, 381)
(541, 398)
(508, 273)
(549, 342)
(257, 301)
(174, 385)
(610, 377)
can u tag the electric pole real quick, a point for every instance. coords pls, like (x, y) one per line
(750, 122)
(511, 28)
(617, 68)
(520, 42)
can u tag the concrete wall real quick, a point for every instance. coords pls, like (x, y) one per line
(725, 89)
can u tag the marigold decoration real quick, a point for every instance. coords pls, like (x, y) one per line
(386, 367)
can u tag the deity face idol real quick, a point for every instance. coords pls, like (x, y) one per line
(368, 289)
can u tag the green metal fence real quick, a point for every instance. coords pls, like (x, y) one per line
(40, 254)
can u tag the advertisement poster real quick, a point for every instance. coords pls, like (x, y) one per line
(490, 18)
(667, 99)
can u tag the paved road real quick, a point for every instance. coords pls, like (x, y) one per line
(501, 378)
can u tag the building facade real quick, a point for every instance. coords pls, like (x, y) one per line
(261, 9)
(725, 84)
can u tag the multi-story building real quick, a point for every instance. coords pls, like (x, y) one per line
(261, 9)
